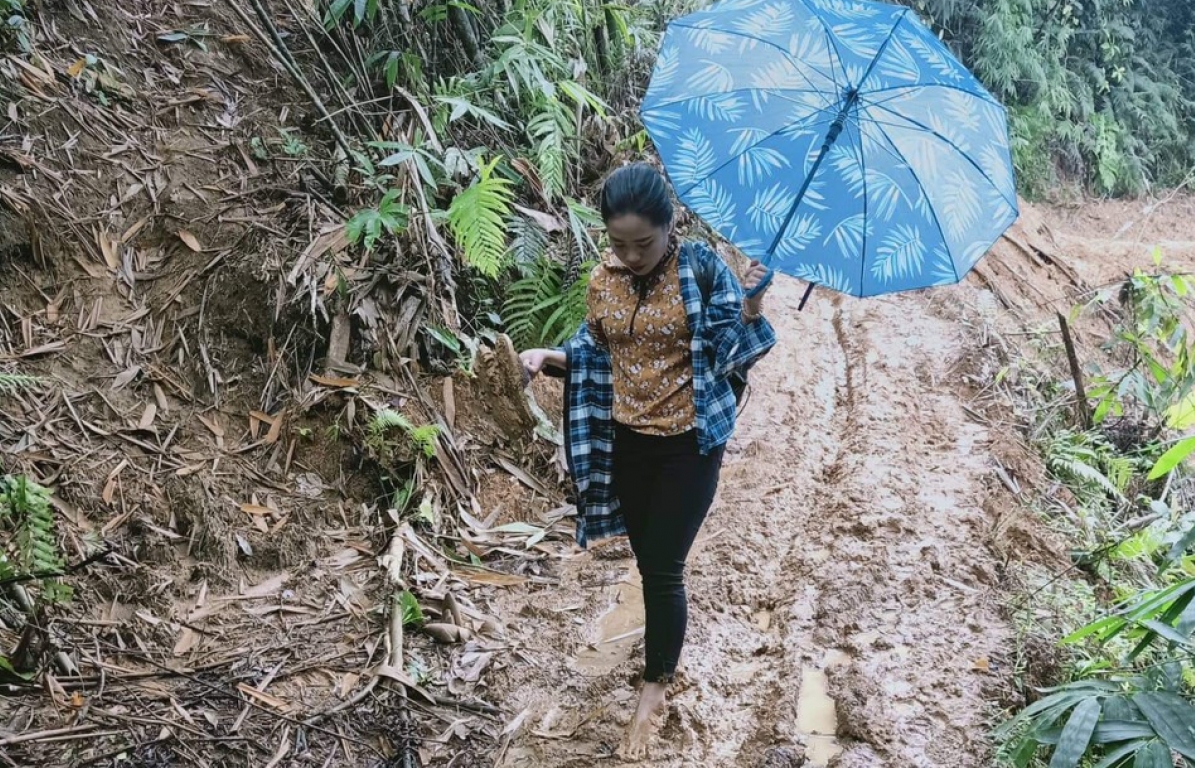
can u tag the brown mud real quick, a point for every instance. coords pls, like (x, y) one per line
(846, 592)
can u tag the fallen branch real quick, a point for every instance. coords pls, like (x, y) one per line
(232, 695)
(42, 735)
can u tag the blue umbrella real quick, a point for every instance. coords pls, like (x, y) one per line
(837, 141)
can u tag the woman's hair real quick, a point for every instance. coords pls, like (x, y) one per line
(639, 189)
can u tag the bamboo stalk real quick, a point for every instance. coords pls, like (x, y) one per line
(1076, 372)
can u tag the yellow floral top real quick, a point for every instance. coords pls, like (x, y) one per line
(642, 322)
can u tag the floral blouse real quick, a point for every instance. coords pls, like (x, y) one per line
(643, 324)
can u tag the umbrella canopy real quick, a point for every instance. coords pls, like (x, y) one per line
(838, 141)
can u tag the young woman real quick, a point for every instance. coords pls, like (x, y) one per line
(649, 406)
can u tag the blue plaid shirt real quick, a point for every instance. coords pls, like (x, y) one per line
(722, 343)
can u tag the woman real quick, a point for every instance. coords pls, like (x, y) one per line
(648, 404)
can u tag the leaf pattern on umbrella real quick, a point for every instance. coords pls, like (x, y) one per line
(918, 184)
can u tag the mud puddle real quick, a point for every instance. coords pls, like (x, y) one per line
(619, 629)
(817, 715)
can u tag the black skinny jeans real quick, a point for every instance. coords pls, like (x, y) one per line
(665, 488)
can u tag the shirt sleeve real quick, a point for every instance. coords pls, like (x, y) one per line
(730, 342)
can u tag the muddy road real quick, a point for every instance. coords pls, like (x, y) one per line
(842, 592)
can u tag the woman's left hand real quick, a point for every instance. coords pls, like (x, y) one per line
(755, 273)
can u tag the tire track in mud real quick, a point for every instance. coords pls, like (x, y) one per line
(845, 558)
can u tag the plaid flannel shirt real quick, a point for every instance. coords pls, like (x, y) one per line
(722, 343)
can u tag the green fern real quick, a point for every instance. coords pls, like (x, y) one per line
(1088, 463)
(581, 221)
(529, 241)
(551, 131)
(422, 438)
(478, 218)
(11, 382)
(367, 225)
(25, 512)
(539, 310)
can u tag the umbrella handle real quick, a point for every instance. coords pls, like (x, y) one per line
(764, 282)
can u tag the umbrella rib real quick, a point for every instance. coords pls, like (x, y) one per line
(930, 205)
(831, 38)
(770, 91)
(863, 165)
(796, 65)
(737, 155)
(982, 96)
(950, 144)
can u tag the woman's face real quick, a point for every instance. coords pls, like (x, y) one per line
(638, 244)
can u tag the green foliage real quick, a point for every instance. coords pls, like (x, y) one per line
(1101, 91)
(366, 226)
(1164, 614)
(27, 520)
(412, 614)
(1160, 373)
(362, 11)
(194, 36)
(422, 438)
(478, 217)
(11, 382)
(1089, 464)
(539, 310)
(14, 24)
(1134, 708)
(1110, 724)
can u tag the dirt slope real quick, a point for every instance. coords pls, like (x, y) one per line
(845, 593)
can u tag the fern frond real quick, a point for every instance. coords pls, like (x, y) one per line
(478, 218)
(25, 510)
(582, 219)
(540, 310)
(529, 241)
(1089, 462)
(385, 420)
(423, 438)
(528, 298)
(571, 313)
(11, 382)
(550, 131)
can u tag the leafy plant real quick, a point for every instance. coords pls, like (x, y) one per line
(28, 519)
(292, 145)
(1134, 723)
(422, 438)
(14, 22)
(11, 382)
(412, 614)
(1089, 464)
(478, 218)
(1153, 336)
(367, 226)
(1165, 614)
(363, 11)
(194, 36)
(539, 310)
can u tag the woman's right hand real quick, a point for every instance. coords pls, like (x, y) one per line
(534, 360)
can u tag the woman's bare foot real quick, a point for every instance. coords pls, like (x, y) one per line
(647, 720)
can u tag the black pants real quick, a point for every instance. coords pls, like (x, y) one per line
(665, 488)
